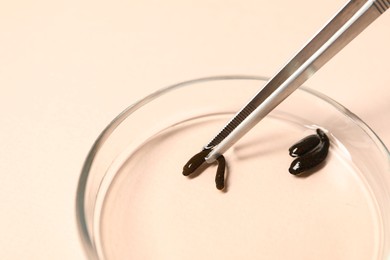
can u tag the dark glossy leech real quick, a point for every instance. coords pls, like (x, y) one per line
(198, 159)
(195, 162)
(220, 176)
(313, 157)
(304, 145)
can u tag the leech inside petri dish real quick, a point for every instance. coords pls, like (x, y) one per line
(199, 159)
(304, 145)
(195, 162)
(310, 151)
(152, 212)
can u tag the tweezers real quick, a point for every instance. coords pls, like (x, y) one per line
(350, 21)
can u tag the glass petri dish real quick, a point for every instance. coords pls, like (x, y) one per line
(134, 203)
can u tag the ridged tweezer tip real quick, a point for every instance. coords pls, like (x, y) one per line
(382, 5)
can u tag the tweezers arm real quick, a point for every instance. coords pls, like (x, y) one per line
(350, 21)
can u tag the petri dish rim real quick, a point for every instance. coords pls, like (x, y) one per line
(86, 235)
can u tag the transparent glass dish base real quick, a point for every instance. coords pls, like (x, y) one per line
(144, 208)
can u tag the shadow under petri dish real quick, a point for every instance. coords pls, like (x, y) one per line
(152, 211)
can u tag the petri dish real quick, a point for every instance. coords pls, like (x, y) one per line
(134, 203)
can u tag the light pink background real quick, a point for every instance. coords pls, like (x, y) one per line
(68, 67)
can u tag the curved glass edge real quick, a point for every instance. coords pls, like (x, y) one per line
(365, 127)
(81, 218)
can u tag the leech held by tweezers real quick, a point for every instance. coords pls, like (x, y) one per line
(198, 159)
(195, 162)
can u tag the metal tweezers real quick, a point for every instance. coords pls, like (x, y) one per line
(350, 21)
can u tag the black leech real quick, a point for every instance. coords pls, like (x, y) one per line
(311, 158)
(304, 145)
(220, 176)
(198, 159)
(195, 162)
